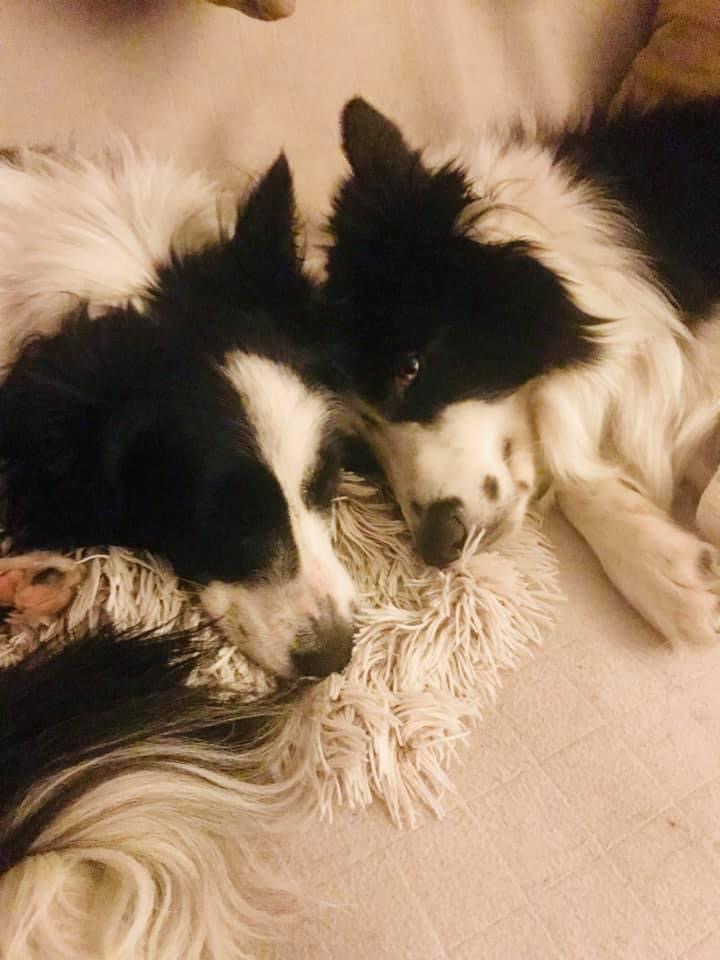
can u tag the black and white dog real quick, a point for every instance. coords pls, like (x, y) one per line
(542, 308)
(134, 809)
(160, 391)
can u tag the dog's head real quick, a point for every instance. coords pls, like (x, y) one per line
(198, 428)
(442, 332)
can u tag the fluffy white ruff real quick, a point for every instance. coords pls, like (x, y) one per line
(430, 649)
(76, 230)
(641, 411)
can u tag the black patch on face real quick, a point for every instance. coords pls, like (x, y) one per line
(111, 434)
(357, 456)
(664, 166)
(404, 278)
(123, 430)
(243, 528)
(491, 487)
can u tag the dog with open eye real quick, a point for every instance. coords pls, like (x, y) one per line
(542, 308)
(161, 390)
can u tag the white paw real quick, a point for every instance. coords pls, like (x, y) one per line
(676, 586)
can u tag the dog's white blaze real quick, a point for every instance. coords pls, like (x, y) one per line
(288, 420)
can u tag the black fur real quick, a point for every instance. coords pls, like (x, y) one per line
(664, 167)
(103, 691)
(320, 486)
(122, 430)
(405, 278)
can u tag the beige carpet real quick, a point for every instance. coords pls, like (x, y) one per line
(585, 821)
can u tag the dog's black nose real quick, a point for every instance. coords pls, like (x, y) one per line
(327, 651)
(442, 533)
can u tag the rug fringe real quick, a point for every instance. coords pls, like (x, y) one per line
(430, 650)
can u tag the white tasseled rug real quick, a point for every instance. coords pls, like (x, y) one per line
(430, 650)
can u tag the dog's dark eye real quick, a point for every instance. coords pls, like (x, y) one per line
(407, 369)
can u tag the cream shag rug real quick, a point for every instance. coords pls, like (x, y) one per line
(430, 649)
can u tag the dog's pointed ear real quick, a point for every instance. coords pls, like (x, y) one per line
(373, 144)
(265, 228)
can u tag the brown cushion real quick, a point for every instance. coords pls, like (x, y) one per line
(682, 57)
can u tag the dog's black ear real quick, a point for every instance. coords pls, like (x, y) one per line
(373, 144)
(265, 229)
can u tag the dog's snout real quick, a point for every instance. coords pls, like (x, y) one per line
(442, 532)
(326, 647)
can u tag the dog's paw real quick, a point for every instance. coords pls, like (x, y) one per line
(681, 592)
(708, 511)
(37, 586)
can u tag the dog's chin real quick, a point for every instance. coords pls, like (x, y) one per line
(269, 645)
(272, 653)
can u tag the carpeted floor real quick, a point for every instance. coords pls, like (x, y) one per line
(586, 822)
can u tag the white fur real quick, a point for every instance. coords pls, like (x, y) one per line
(74, 229)
(649, 370)
(623, 430)
(162, 862)
(451, 457)
(288, 421)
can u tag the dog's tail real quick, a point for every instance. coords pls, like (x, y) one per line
(132, 807)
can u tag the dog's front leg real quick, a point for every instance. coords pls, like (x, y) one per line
(669, 575)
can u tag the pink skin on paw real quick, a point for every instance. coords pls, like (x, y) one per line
(9, 582)
(43, 600)
(37, 586)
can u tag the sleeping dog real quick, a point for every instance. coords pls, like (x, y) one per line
(542, 308)
(160, 391)
(133, 807)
